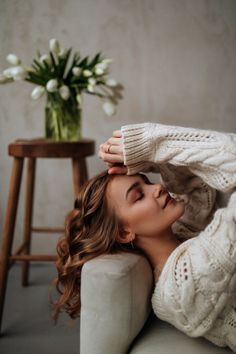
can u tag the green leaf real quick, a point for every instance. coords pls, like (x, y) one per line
(84, 62)
(48, 68)
(69, 77)
(77, 58)
(35, 79)
(34, 67)
(95, 60)
(37, 64)
(63, 63)
(53, 63)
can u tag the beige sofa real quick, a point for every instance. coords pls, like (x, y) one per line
(116, 315)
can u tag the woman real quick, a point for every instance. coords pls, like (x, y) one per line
(195, 277)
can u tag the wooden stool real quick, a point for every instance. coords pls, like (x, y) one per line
(33, 149)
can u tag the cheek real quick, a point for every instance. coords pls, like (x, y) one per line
(145, 216)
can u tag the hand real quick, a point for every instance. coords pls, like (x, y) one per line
(111, 152)
(118, 169)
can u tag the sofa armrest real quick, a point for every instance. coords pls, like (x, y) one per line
(115, 302)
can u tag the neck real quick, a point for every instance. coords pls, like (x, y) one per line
(158, 249)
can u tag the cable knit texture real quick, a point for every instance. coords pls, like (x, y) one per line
(196, 289)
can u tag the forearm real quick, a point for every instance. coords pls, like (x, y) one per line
(208, 154)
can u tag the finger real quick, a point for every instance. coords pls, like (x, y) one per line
(117, 133)
(111, 158)
(118, 170)
(114, 141)
(105, 148)
(112, 149)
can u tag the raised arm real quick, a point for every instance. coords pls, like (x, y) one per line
(207, 154)
(193, 164)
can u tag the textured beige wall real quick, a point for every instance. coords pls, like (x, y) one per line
(175, 58)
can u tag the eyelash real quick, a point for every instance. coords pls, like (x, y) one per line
(140, 197)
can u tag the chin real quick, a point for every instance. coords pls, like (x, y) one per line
(180, 209)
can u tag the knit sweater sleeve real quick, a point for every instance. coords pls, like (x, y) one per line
(196, 289)
(207, 154)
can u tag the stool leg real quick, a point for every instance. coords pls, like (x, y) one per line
(80, 174)
(9, 227)
(30, 182)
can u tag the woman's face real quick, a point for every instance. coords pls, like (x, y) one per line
(141, 206)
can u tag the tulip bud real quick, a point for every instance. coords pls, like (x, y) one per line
(8, 73)
(108, 108)
(54, 46)
(111, 82)
(92, 81)
(107, 61)
(64, 92)
(37, 92)
(103, 65)
(16, 73)
(76, 71)
(90, 88)
(52, 85)
(87, 73)
(99, 71)
(100, 68)
(45, 58)
(13, 59)
(62, 53)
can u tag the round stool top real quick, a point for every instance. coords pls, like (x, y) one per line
(41, 147)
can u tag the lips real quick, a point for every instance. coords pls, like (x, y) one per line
(168, 198)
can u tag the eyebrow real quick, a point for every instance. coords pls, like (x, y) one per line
(132, 187)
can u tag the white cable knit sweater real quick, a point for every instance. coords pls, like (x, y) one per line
(196, 290)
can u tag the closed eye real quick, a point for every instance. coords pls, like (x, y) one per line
(140, 197)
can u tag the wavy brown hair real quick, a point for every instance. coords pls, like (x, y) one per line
(91, 230)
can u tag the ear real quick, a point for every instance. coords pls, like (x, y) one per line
(126, 235)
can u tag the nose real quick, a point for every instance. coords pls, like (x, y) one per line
(159, 190)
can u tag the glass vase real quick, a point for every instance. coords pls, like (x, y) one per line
(62, 119)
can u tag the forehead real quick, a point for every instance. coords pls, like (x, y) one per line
(118, 187)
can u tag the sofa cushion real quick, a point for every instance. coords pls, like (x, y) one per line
(158, 337)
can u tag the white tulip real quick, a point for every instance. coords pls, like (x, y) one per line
(19, 73)
(90, 88)
(37, 92)
(107, 61)
(8, 73)
(103, 65)
(45, 58)
(108, 108)
(64, 92)
(87, 73)
(111, 82)
(54, 46)
(62, 53)
(52, 85)
(92, 81)
(13, 59)
(16, 73)
(100, 68)
(99, 71)
(76, 71)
